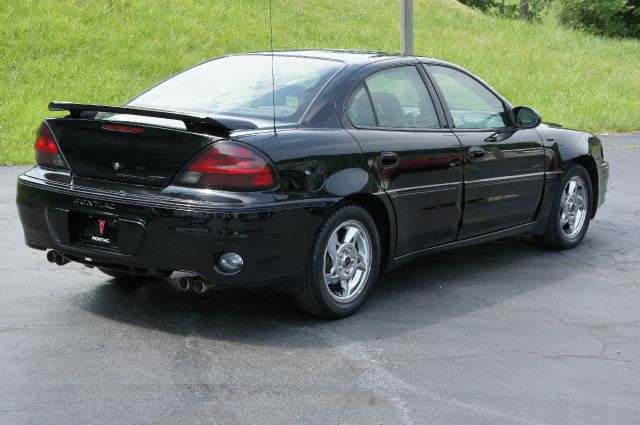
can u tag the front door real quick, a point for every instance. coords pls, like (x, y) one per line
(503, 165)
(417, 160)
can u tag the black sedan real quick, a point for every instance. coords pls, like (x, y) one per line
(304, 171)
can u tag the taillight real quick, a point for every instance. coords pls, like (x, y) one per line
(47, 153)
(231, 166)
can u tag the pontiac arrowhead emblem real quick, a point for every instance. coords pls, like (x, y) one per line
(101, 223)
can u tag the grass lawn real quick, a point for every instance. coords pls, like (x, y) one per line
(106, 51)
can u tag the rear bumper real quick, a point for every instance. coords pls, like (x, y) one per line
(156, 234)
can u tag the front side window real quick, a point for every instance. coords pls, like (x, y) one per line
(471, 104)
(400, 100)
(242, 86)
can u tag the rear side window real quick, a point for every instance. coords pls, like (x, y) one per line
(471, 104)
(360, 111)
(400, 100)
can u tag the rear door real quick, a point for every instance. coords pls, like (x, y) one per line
(503, 165)
(417, 160)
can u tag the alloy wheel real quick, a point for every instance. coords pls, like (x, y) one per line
(347, 261)
(573, 207)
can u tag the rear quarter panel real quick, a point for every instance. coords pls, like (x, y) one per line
(322, 167)
(319, 164)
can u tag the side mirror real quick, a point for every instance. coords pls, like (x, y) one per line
(526, 117)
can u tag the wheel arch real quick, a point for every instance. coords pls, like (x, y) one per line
(383, 215)
(565, 147)
(589, 164)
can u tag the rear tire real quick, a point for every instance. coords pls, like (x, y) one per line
(571, 211)
(343, 265)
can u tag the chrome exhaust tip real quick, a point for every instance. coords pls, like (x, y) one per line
(51, 256)
(184, 283)
(199, 286)
(60, 260)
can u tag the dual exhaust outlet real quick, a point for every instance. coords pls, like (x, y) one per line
(193, 283)
(56, 257)
(186, 283)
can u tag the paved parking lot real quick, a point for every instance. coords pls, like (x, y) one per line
(501, 333)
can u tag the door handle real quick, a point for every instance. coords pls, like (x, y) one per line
(492, 139)
(476, 152)
(389, 159)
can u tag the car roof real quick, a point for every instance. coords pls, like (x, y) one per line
(347, 56)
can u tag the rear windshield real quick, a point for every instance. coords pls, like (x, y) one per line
(242, 86)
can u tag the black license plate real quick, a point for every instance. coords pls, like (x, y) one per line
(97, 230)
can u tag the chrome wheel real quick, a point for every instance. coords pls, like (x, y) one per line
(347, 261)
(574, 206)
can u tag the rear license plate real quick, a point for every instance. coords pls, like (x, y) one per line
(97, 230)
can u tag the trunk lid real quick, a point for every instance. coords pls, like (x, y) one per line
(137, 153)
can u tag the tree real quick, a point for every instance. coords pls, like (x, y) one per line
(616, 18)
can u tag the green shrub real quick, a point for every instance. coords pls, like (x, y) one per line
(616, 18)
(509, 10)
(484, 5)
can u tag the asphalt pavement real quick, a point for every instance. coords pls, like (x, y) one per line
(500, 333)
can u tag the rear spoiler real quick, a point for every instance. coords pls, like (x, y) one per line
(194, 122)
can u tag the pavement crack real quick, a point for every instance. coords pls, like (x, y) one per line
(391, 386)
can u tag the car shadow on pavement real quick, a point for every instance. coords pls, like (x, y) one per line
(427, 291)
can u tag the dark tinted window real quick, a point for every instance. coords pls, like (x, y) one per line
(471, 104)
(400, 100)
(242, 86)
(359, 110)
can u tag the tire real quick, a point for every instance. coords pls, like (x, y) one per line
(353, 234)
(559, 232)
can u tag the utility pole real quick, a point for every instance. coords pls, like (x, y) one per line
(524, 9)
(406, 27)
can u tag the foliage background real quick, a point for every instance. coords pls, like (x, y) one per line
(106, 51)
(616, 18)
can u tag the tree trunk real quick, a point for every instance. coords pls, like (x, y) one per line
(524, 9)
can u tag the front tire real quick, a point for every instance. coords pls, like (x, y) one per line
(571, 211)
(343, 265)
